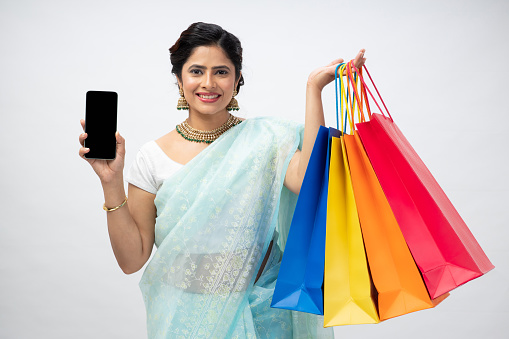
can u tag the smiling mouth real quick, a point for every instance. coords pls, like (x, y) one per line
(208, 96)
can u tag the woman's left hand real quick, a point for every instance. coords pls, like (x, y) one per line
(320, 77)
(314, 119)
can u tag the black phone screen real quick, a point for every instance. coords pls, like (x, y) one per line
(101, 124)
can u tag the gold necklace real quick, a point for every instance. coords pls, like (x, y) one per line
(196, 135)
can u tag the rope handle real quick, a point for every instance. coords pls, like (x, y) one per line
(342, 99)
(357, 100)
(371, 94)
(353, 81)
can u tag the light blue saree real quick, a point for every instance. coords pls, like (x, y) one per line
(216, 218)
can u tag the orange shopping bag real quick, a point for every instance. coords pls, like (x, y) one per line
(395, 275)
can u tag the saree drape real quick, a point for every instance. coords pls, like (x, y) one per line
(216, 218)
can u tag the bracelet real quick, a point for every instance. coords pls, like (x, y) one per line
(114, 208)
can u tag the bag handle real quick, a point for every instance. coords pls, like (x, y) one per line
(371, 94)
(340, 100)
(363, 99)
(343, 98)
(353, 100)
(358, 100)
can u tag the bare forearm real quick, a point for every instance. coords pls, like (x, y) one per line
(317, 80)
(125, 236)
(313, 120)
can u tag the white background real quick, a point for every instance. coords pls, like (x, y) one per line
(440, 65)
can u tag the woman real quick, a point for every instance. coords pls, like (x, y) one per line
(214, 209)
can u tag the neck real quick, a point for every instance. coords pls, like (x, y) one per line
(207, 122)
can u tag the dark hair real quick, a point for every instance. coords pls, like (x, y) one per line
(203, 34)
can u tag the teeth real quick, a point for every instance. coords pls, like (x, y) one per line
(208, 96)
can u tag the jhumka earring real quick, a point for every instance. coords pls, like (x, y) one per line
(182, 103)
(233, 105)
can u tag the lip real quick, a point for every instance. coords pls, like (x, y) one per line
(208, 100)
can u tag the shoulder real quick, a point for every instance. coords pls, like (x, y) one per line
(149, 152)
(140, 174)
(148, 147)
(151, 167)
(150, 155)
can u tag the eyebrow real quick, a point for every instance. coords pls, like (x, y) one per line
(203, 67)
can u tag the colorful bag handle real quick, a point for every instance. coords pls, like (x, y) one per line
(338, 109)
(362, 98)
(350, 98)
(364, 85)
(358, 100)
(343, 98)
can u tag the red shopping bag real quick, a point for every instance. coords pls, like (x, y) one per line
(397, 279)
(443, 247)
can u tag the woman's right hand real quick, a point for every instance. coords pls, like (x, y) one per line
(107, 170)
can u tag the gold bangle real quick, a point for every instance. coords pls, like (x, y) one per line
(114, 208)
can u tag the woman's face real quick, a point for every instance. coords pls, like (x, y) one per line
(208, 80)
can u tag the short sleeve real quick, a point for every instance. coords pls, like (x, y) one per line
(140, 174)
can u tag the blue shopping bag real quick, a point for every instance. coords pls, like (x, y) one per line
(300, 279)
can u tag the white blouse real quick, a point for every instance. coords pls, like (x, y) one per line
(151, 168)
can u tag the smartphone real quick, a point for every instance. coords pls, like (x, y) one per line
(101, 125)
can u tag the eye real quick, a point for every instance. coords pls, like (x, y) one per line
(222, 72)
(195, 71)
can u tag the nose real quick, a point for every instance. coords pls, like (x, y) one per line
(208, 80)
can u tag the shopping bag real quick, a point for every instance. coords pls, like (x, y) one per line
(300, 278)
(395, 275)
(441, 244)
(349, 296)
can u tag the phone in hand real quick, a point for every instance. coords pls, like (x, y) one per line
(101, 125)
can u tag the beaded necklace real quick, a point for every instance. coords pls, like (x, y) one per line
(196, 135)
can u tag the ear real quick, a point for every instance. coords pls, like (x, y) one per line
(237, 82)
(179, 82)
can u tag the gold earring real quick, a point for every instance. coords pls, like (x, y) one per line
(233, 105)
(182, 103)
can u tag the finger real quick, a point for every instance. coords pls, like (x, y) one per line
(331, 69)
(82, 138)
(335, 62)
(359, 58)
(83, 151)
(360, 63)
(120, 143)
(82, 122)
(360, 55)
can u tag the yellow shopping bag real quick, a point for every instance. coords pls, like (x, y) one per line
(349, 295)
